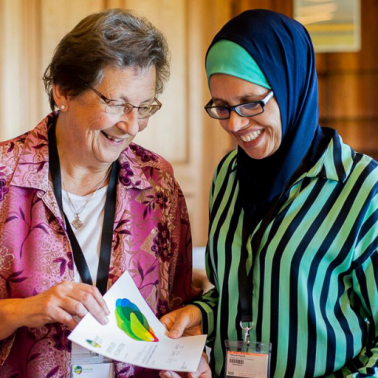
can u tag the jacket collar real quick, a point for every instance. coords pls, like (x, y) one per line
(336, 163)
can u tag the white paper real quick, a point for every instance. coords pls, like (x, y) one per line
(111, 341)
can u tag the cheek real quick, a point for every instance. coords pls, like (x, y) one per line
(224, 125)
(142, 124)
(277, 136)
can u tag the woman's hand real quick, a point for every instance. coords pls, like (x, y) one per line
(185, 321)
(203, 371)
(58, 304)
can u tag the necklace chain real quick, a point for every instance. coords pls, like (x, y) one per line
(77, 223)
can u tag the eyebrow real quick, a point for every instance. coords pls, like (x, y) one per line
(126, 100)
(243, 99)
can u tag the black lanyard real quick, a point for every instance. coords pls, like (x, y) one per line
(317, 149)
(246, 280)
(107, 229)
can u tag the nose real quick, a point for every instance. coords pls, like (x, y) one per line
(236, 122)
(129, 123)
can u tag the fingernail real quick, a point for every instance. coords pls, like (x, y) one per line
(167, 374)
(104, 320)
(107, 311)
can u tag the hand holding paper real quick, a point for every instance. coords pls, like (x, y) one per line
(134, 335)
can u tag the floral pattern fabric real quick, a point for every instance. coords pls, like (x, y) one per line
(151, 240)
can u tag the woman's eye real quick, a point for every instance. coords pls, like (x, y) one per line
(116, 104)
(251, 105)
(222, 110)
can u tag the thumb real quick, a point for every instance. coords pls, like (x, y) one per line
(167, 321)
(179, 326)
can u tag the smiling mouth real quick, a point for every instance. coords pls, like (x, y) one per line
(251, 136)
(113, 139)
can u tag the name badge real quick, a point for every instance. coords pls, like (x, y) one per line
(92, 371)
(247, 361)
(86, 364)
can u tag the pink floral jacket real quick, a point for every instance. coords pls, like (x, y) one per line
(151, 240)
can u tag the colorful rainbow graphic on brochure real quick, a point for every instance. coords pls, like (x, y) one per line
(132, 321)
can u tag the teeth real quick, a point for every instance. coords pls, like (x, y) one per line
(112, 138)
(251, 136)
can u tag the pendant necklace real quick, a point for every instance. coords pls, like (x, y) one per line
(77, 223)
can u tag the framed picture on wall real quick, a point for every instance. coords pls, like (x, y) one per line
(334, 25)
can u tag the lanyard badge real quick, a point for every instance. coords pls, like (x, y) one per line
(87, 364)
(245, 359)
(107, 230)
(83, 362)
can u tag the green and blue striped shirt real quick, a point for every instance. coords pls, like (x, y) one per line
(315, 270)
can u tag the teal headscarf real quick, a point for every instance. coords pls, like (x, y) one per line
(229, 58)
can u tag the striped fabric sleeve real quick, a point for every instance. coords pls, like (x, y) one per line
(209, 301)
(365, 281)
(208, 305)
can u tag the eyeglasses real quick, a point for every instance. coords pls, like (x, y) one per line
(117, 107)
(249, 109)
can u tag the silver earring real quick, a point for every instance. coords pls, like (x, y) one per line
(62, 107)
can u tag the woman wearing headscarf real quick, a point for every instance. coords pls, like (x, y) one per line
(80, 204)
(293, 235)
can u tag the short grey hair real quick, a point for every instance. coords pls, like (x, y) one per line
(112, 38)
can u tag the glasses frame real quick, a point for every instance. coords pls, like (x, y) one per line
(236, 108)
(127, 107)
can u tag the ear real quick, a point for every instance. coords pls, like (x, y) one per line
(61, 97)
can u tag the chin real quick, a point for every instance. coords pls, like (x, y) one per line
(256, 155)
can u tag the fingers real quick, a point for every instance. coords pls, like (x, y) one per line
(179, 326)
(187, 320)
(169, 319)
(92, 290)
(81, 299)
(61, 316)
(61, 303)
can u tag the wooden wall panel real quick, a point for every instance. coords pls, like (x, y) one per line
(168, 131)
(351, 87)
(367, 58)
(19, 48)
(282, 6)
(352, 95)
(211, 15)
(57, 19)
(30, 31)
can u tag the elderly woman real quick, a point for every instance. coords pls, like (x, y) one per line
(81, 203)
(293, 233)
